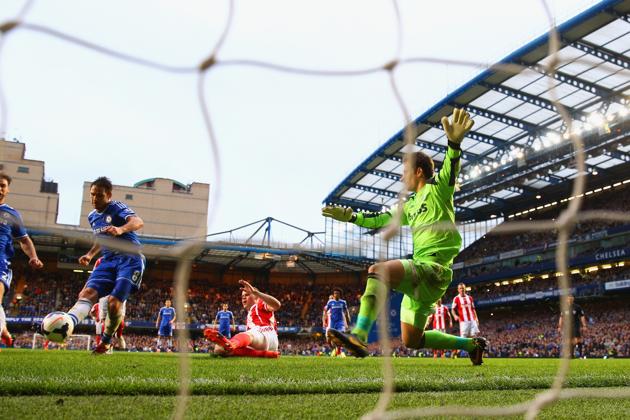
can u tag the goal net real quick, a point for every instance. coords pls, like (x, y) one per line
(188, 250)
(75, 342)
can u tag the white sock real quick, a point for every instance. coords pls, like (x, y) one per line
(170, 342)
(112, 324)
(80, 310)
(159, 342)
(3, 318)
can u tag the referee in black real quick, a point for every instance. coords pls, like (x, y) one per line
(579, 326)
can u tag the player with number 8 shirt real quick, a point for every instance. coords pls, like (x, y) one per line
(118, 274)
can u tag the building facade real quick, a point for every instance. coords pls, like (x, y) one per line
(31, 194)
(169, 208)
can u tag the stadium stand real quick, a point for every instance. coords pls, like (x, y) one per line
(526, 327)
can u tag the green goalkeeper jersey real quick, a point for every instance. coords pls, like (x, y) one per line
(422, 210)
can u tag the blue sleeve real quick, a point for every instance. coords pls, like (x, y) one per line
(345, 305)
(17, 227)
(123, 211)
(327, 307)
(231, 315)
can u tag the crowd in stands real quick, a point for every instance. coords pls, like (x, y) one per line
(534, 333)
(300, 307)
(538, 284)
(493, 244)
(517, 332)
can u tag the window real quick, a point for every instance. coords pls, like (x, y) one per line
(128, 196)
(23, 169)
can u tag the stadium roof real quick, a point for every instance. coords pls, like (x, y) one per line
(251, 254)
(518, 150)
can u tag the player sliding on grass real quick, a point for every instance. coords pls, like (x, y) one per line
(425, 278)
(261, 337)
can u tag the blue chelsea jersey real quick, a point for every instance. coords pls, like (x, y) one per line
(115, 214)
(166, 315)
(335, 309)
(11, 227)
(224, 318)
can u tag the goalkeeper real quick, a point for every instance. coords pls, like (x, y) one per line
(423, 280)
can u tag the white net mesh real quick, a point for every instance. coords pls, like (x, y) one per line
(74, 342)
(186, 251)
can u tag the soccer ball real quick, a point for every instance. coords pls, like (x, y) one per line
(57, 326)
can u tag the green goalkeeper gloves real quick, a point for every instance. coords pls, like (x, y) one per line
(459, 127)
(343, 214)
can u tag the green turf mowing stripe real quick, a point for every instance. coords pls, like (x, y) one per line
(26, 372)
(307, 406)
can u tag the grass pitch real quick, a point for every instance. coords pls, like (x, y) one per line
(56, 384)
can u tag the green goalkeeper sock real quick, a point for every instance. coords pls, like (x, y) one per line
(440, 341)
(369, 307)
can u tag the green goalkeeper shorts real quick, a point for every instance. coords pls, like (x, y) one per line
(424, 283)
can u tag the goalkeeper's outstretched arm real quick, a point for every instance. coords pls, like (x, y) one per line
(456, 129)
(367, 220)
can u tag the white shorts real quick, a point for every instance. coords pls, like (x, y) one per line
(264, 338)
(99, 327)
(468, 328)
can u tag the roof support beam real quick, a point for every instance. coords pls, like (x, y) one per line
(527, 190)
(582, 84)
(391, 157)
(483, 138)
(602, 53)
(430, 146)
(306, 268)
(617, 155)
(234, 262)
(520, 124)
(442, 149)
(623, 16)
(553, 179)
(529, 98)
(269, 265)
(499, 202)
(378, 191)
(385, 174)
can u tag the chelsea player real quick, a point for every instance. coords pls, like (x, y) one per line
(119, 273)
(336, 317)
(223, 319)
(164, 323)
(11, 227)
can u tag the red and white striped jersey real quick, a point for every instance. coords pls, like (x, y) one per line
(439, 317)
(259, 315)
(465, 307)
(95, 312)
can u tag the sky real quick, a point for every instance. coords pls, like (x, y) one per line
(285, 141)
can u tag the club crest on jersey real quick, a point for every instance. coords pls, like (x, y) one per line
(108, 219)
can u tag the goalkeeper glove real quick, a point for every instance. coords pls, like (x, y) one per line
(343, 214)
(459, 127)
